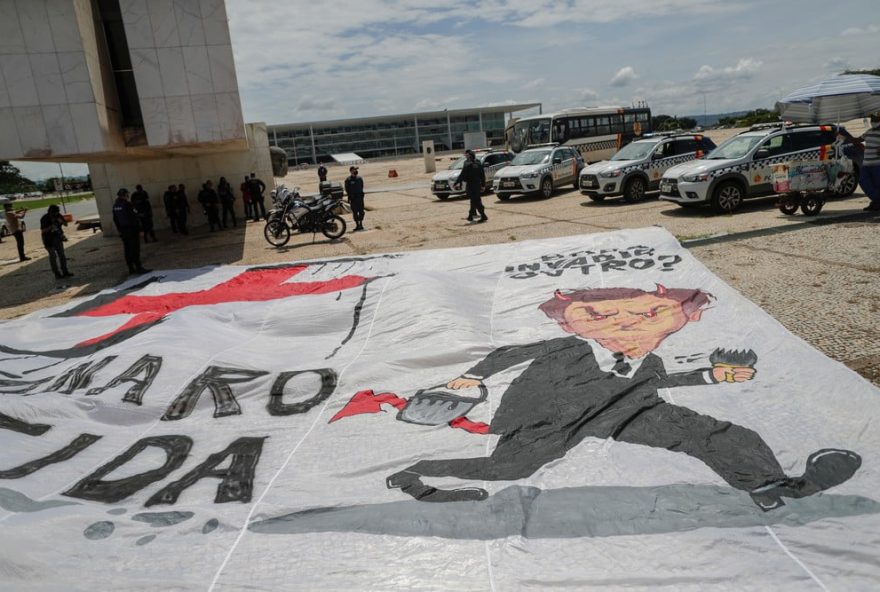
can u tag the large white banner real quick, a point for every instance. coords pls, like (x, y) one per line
(585, 412)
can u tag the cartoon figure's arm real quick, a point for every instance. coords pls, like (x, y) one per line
(500, 359)
(727, 366)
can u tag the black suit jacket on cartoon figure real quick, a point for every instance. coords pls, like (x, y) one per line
(564, 386)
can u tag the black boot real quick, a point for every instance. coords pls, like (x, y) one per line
(409, 483)
(825, 469)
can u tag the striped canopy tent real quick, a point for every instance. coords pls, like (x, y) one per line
(844, 97)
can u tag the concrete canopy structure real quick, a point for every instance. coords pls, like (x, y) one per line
(391, 135)
(144, 91)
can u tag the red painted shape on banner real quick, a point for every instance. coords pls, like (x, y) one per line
(474, 427)
(368, 402)
(258, 285)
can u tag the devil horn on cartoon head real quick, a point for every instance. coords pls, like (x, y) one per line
(661, 289)
(560, 296)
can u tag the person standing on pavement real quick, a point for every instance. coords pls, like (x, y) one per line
(140, 200)
(227, 198)
(474, 177)
(50, 228)
(322, 173)
(210, 204)
(354, 188)
(181, 208)
(869, 176)
(128, 224)
(168, 201)
(257, 187)
(13, 226)
(246, 198)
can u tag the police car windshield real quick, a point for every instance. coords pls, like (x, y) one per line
(457, 164)
(735, 147)
(531, 157)
(635, 151)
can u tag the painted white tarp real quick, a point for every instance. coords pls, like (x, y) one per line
(584, 412)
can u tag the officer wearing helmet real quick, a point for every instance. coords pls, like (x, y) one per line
(474, 177)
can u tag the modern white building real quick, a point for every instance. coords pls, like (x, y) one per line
(144, 91)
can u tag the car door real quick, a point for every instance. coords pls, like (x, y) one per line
(563, 166)
(661, 159)
(768, 153)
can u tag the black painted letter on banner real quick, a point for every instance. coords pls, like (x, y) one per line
(93, 488)
(23, 427)
(79, 444)
(148, 366)
(238, 479)
(217, 380)
(276, 404)
(79, 377)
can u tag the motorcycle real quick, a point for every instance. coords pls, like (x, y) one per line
(294, 212)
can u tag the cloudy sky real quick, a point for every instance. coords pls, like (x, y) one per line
(301, 60)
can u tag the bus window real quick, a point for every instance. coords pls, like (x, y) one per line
(617, 124)
(603, 125)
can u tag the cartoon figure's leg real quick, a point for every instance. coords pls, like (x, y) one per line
(738, 455)
(369, 402)
(515, 457)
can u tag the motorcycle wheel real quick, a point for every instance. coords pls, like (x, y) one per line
(277, 233)
(333, 228)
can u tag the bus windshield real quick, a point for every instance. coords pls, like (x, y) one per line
(635, 151)
(735, 147)
(531, 157)
(531, 132)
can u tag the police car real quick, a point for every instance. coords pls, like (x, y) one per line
(637, 167)
(539, 170)
(492, 161)
(741, 167)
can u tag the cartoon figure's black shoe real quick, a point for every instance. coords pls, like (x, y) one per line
(410, 483)
(825, 469)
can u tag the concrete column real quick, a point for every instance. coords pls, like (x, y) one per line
(449, 128)
(416, 123)
(314, 152)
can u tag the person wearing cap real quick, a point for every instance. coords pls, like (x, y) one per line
(474, 177)
(53, 235)
(354, 188)
(128, 225)
(13, 226)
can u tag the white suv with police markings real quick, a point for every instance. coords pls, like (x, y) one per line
(637, 167)
(539, 170)
(741, 167)
(442, 184)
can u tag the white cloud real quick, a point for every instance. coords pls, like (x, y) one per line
(310, 104)
(588, 95)
(624, 76)
(837, 65)
(745, 68)
(536, 83)
(868, 30)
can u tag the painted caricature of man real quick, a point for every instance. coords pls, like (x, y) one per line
(602, 381)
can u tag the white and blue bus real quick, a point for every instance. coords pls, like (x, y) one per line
(595, 132)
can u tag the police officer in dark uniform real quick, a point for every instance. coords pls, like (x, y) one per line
(128, 225)
(354, 188)
(474, 177)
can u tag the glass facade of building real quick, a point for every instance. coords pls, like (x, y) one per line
(308, 143)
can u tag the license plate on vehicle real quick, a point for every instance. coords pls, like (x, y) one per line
(590, 184)
(508, 184)
(665, 187)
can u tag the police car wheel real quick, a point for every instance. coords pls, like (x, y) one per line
(503, 196)
(547, 187)
(596, 197)
(442, 196)
(728, 197)
(635, 190)
(848, 185)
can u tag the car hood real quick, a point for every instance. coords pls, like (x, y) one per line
(515, 171)
(607, 165)
(446, 175)
(694, 167)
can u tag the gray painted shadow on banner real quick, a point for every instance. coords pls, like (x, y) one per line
(568, 513)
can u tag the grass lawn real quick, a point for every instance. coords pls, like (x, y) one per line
(45, 202)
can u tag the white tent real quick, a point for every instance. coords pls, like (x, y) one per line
(347, 158)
